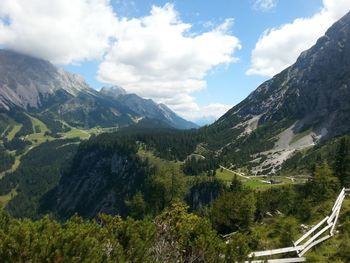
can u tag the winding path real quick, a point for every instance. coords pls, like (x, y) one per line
(239, 174)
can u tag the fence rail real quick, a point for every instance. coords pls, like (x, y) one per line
(309, 239)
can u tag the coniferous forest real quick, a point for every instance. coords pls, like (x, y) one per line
(180, 132)
(163, 213)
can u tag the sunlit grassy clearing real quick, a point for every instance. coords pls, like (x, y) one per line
(4, 199)
(13, 131)
(258, 183)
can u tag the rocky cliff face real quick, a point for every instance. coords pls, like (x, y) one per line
(27, 82)
(147, 108)
(305, 103)
(314, 87)
(113, 91)
(34, 85)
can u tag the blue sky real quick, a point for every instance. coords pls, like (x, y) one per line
(199, 57)
(226, 84)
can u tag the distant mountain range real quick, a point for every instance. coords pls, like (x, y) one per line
(147, 107)
(305, 104)
(36, 86)
(288, 118)
(299, 108)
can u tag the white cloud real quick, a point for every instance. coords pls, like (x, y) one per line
(186, 106)
(205, 114)
(157, 57)
(62, 31)
(278, 48)
(264, 5)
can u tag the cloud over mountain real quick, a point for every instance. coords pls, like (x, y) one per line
(61, 31)
(158, 57)
(279, 47)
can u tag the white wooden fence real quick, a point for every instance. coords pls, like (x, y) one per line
(317, 234)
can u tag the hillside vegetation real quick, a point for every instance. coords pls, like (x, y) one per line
(258, 220)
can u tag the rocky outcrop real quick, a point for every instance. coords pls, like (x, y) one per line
(27, 82)
(147, 108)
(35, 85)
(311, 95)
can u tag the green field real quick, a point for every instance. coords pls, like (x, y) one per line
(13, 131)
(225, 175)
(40, 129)
(35, 138)
(73, 133)
(4, 199)
(158, 162)
(39, 136)
(256, 182)
(16, 163)
(38, 123)
(85, 134)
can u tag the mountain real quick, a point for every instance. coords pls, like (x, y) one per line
(305, 104)
(147, 107)
(113, 91)
(27, 82)
(102, 175)
(62, 100)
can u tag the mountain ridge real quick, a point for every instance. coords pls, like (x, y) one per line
(35, 85)
(24, 79)
(311, 96)
(146, 107)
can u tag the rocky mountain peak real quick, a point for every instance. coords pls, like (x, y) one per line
(35, 85)
(113, 91)
(310, 98)
(27, 81)
(147, 107)
(311, 84)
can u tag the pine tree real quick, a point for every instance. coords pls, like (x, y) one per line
(236, 184)
(342, 165)
(324, 184)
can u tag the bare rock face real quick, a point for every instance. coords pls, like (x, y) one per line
(35, 85)
(113, 91)
(312, 95)
(316, 86)
(26, 81)
(147, 108)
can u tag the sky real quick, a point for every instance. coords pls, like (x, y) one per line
(199, 57)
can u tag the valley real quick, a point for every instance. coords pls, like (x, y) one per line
(40, 135)
(260, 182)
(105, 175)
